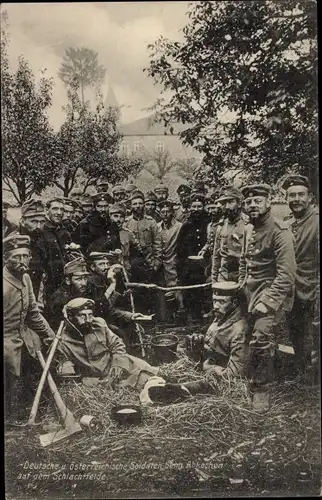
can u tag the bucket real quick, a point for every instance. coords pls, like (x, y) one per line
(164, 348)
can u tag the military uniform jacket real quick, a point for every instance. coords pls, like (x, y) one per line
(146, 232)
(191, 239)
(92, 352)
(267, 264)
(22, 320)
(52, 246)
(109, 240)
(211, 233)
(169, 238)
(227, 250)
(92, 227)
(182, 214)
(306, 241)
(36, 267)
(130, 246)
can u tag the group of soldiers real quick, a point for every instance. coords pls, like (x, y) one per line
(72, 258)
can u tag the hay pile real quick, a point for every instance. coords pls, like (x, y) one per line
(214, 443)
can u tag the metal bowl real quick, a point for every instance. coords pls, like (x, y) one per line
(127, 414)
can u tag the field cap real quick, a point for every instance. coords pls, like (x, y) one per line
(79, 304)
(32, 208)
(151, 196)
(184, 188)
(76, 267)
(118, 189)
(256, 190)
(229, 192)
(15, 241)
(225, 289)
(296, 180)
(137, 194)
(102, 197)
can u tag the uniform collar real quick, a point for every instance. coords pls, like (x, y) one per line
(13, 280)
(262, 220)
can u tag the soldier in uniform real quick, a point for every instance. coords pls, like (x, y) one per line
(132, 254)
(7, 226)
(215, 213)
(52, 243)
(102, 186)
(79, 212)
(87, 204)
(22, 327)
(32, 224)
(89, 347)
(69, 214)
(150, 206)
(304, 225)
(96, 225)
(162, 192)
(191, 239)
(145, 229)
(226, 338)
(129, 189)
(228, 237)
(169, 229)
(118, 193)
(267, 276)
(76, 194)
(183, 212)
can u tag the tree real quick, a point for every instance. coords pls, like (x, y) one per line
(158, 163)
(188, 168)
(80, 68)
(88, 146)
(28, 141)
(245, 81)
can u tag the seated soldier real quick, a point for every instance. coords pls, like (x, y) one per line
(225, 340)
(90, 348)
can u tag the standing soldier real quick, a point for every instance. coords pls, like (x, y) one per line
(215, 213)
(183, 212)
(96, 224)
(79, 212)
(32, 224)
(52, 242)
(191, 239)
(118, 193)
(150, 206)
(305, 227)
(229, 237)
(129, 189)
(87, 204)
(7, 226)
(76, 194)
(23, 324)
(146, 231)
(267, 276)
(162, 192)
(102, 186)
(169, 229)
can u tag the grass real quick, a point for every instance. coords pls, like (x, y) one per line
(214, 444)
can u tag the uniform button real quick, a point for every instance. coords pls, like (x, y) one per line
(257, 250)
(249, 276)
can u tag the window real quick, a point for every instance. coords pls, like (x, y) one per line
(125, 148)
(160, 147)
(136, 147)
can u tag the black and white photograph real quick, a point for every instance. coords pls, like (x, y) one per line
(160, 241)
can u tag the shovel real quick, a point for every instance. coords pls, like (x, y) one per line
(71, 425)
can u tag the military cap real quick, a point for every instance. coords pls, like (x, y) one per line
(184, 188)
(118, 189)
(296, 180)
(137, 194)
(225, 289)
(150, 196)
(102, 182)
(197, 196)
(256, 190)
(79, 304)
(6, 204)
(77, 267)
(165, 203)
(161, 188)
(33, 208)
(93, 256)
(229, 192)
(199, 186)
(130, 187)
(70, 203)
(86, 199)
(116, 209)
(102, 197)
(56, 199)
(15, 241)
(76, 192)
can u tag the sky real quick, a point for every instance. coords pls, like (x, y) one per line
(118, 31)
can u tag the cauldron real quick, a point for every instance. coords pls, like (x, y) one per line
(164, 348)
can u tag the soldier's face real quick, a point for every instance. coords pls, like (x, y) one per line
(256, 206)
(222, 306)
(102, 188)
(78, 215)
(102, 208)
(118, 220)
(231, 207)
(101, 266)
(119, 196)
(68, 212)
(78, 283)
(83, 321)
(55, 212)
(150, 207)
(34, 225)
(137, 206)
(87, 208)
(17, 261)
(161, 195)
(215, 211)
(298, 198)
(184, 198)
(197, 208)
(166, 214)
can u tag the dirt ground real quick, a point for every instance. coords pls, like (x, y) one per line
(210, 445)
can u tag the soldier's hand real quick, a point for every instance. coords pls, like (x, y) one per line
(260, 308)
(201, 253)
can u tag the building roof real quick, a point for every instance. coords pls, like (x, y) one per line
(144, 126)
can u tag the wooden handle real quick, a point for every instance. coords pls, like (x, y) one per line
(34, 409)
